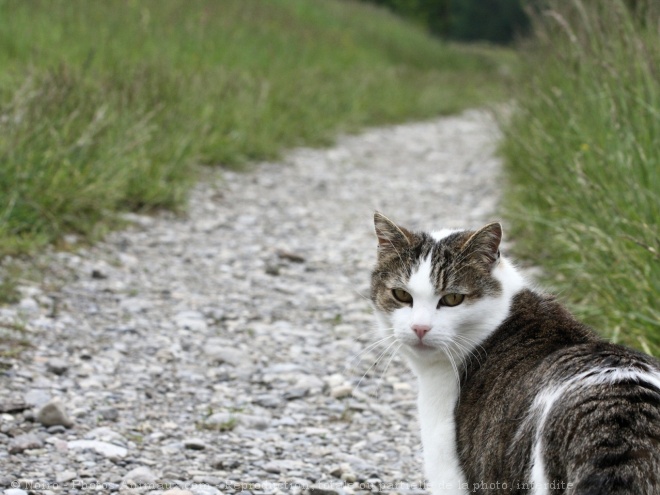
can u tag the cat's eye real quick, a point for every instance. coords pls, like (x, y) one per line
(402, 296)
(451, 300)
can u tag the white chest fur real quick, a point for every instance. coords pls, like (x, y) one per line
(438, 393)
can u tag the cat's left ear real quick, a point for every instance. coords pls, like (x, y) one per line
(484, 245)
(391, 237)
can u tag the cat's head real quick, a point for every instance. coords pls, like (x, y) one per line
(440, 294)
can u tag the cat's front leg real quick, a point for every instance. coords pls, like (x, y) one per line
(443, 471)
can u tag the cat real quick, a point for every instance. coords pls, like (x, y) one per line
(515, 395)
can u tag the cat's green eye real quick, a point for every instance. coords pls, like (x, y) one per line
(402, 296)
(451, 300)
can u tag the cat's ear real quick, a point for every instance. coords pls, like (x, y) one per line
(484, 245)
(391, 237)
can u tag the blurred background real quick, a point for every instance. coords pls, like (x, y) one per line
(115, 106)
(494, 21)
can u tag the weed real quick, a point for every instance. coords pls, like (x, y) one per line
(13, 339)
(117, 114)
(582, 154)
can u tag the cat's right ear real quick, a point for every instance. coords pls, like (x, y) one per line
(391, 237)
(484, 245)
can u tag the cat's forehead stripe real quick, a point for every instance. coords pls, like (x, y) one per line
(420, 283)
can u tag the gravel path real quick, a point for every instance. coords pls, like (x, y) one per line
(220, 353)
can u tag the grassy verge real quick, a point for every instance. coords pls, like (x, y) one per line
(583, 157)
(13, 341)
(109, 106)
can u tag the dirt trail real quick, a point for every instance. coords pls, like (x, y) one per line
(217, 353)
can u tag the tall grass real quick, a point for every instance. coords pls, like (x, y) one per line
(583, 158)
(109, 105)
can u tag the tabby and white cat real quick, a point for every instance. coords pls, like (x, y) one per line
(515, 395)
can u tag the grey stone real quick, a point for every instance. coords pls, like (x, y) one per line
(348, 477)
(9, 405)
(295, 393)
(202, 489)
(191, 320)
(56, 429)
(311, 383)
(341, 391)
(57, 366)
(327, 488)
(285, 421)
(282, 466)
(108, 413)
(335, 380)
(223, 463)
(221, 355)
(100, 270)
(282, 368)
(53, 413)
(36, 397)
(108, 450)
(222, 421)
(27, 441)
(135, 305)
(28, 305)
(139, 476)
(64, 476)
(212, 480)
(272, 270)
(267, 400)
(290, 256)
(106, 434)
(194, 444)
(141, 220)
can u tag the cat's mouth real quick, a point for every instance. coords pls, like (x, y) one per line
(422, 347)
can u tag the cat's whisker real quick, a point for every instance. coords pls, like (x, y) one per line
(353, 367)
(378, 359)
(356, 291)
(470, 348)
(464, 352)
(374, 364)
(393, 355)
(372, 346)
(366, 336)
(447, 351)
(475, 346)
(384, 371)
(371, 333)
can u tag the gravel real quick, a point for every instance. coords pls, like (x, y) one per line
(226, 351)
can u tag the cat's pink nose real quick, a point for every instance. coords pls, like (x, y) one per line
(421, 330)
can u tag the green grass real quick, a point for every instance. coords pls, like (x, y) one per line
(583, 159)
(108, 106)
(13, 340)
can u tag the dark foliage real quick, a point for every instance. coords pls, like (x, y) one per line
(497, 21)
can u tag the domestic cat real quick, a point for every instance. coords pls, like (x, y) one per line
(515, 395)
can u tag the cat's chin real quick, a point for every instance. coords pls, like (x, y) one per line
(423, 351)
(421, 347)
(420, 354)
